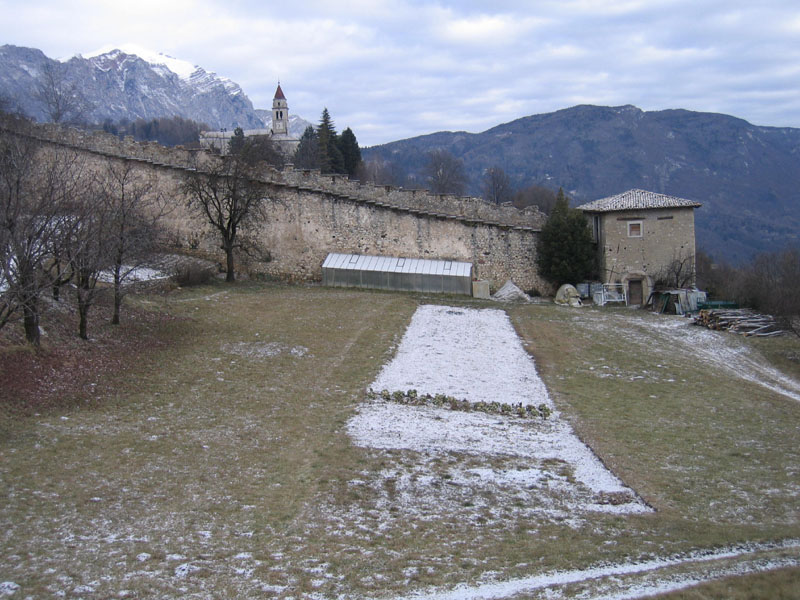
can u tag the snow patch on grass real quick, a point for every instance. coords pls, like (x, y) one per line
(469, 354)
(263, 349)
(612, 577)
(134, 275)
(721, 350)
(185, 569)
(476, 355)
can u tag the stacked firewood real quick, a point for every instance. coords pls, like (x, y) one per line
(738, 320)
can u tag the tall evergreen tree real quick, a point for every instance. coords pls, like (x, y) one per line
(565, 252)
(330, 157)
(348, 146)
(307, 154)
(236, 143)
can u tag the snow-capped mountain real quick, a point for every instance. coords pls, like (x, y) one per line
(128, 83)
(182, 68)
(193, 75)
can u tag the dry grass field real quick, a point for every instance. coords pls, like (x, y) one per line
(201, 451)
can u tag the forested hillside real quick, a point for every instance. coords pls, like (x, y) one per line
(747, 177)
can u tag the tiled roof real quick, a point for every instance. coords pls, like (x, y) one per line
(279, 93)
(637, 200)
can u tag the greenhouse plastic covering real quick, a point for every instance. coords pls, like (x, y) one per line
(397, 273)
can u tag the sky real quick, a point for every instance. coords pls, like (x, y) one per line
(393, 69)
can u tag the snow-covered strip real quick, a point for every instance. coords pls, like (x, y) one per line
(469, 354)
(475, 355)
(527, 585)
(390, 426)
(133, 275)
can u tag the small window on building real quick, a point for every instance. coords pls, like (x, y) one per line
(595, 228)
(634, 229)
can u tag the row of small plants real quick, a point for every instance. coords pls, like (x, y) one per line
(413, 398)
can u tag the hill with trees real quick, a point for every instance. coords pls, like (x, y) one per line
(747, 177)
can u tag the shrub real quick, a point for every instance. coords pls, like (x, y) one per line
(190, 274)
(412, 397)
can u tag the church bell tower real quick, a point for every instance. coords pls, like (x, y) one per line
(280, 113)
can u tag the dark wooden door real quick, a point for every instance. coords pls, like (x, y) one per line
(635, 291)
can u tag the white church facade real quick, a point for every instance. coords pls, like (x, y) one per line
(218, 141)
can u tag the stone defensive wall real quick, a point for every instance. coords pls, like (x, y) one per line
(309, 215)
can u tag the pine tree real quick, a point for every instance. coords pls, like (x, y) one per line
(307, 154)
(348, 146)
(330, 157)
(236, 143)
(565, 252)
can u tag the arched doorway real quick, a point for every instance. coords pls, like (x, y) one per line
(638, 286)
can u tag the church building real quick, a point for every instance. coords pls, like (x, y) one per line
(280, 114)
(279, 132)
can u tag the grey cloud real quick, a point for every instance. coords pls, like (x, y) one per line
(392, 68)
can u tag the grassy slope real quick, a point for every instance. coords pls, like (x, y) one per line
(238, 466)
(695, 442)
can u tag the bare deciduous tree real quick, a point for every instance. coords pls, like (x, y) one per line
(383, 172)
(769, 283)
(773, 285)
(89, 249)
(678, 273)
(7, 306)
(496, 186)
(63, 100)
(227, 196)
(445, 173)
(133, 209)
(38, 188)
(536, 195)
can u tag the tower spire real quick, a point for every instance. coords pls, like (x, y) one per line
(280, 113)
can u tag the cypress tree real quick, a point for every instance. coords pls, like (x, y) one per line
(330, 157)
(236, 143)
(307, 154)
(348, 146)
(565, 252)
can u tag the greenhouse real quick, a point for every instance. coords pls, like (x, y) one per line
(392, 273)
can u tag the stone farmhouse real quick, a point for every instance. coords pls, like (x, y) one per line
(639, 236)
(217, 141)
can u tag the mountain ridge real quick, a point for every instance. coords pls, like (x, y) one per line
(746, 176)
(122, 85)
